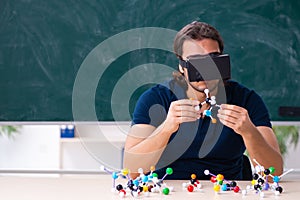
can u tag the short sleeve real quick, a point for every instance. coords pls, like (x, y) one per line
(151, 108)
(257, 110)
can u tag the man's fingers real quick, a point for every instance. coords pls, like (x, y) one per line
(189, 108)
(190, 102)
(186, 119)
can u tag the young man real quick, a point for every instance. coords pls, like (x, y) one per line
(170, 128)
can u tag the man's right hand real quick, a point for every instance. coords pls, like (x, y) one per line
(184, 110)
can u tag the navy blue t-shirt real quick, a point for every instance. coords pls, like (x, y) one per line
(201, 145)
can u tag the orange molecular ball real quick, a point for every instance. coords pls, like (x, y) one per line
(214, 120)
(193, 176)
(152, 168)
(220, 177)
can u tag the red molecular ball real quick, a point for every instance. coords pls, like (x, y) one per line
(236, 189)
(213, 179)
(150, 188)
(122, 193)
(190, 188)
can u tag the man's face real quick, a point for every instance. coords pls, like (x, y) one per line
(202, 47)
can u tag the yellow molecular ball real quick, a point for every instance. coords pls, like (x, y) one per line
(216, 188)
(152, 168)
(214, 120)
(220, 177)
(145, 188)
(253, 182)
(125, 171)
(193, 176)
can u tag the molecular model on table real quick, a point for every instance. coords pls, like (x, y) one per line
(142, 185)
(261, 183)
(221, 184)
(193, 185)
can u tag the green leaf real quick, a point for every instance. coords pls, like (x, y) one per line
(286, 135)
(9, 130)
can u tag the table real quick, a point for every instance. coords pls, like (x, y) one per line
(90, 187)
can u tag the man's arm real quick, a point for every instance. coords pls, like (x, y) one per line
(144, 146)
(260, 141)
(262, 145)
(145, 143)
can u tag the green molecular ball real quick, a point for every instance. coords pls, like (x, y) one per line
(166, 191)
(169, 171)
(272, 170)
(155, 175)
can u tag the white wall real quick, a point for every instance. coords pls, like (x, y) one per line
(98, 144)
(36, 147)
(292, 159)
(40, 147)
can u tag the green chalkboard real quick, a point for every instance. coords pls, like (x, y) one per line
(46, 46)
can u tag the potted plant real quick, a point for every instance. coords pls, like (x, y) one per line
(9, 130)
(286, 135)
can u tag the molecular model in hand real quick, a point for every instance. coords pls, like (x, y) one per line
(211, 101)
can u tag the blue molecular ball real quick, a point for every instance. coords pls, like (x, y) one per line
(145, 179)
(114, 175)
(224, 187)
(207, 113)
(276, 179)
(136, 182)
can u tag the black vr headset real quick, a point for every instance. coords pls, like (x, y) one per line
(207, 67)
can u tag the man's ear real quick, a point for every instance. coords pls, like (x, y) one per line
(180, 69)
